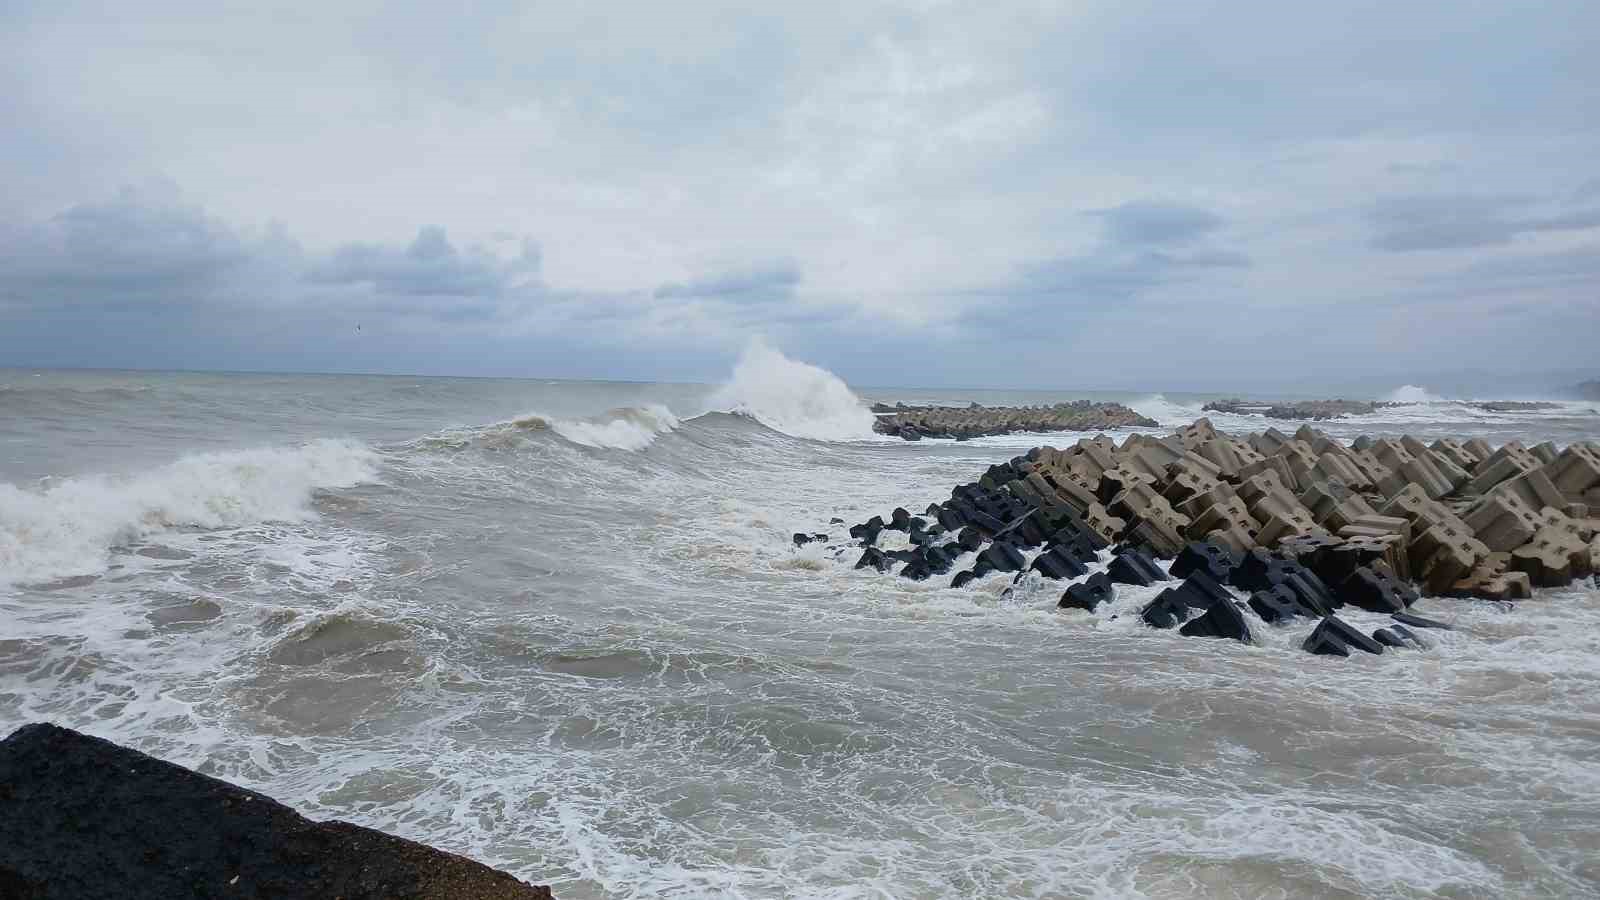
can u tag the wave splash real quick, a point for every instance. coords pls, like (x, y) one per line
(793, 397)
(1411, 393)
(68, 527)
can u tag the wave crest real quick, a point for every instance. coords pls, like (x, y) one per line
(1411, 393)
(628, 428)
(793, 397)
(68, 527)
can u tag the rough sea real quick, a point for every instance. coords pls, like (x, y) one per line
(561, 627)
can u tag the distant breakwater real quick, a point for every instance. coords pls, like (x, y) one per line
(913, 423)
(1323, 410)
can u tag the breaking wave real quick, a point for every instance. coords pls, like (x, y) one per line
(629, 428)
(68, 527)
(793, 397)
(1168, 413)
(1410, 393)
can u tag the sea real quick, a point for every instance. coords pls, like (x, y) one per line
(562, 627)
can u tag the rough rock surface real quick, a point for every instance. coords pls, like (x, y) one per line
(917, 422)
(84, 818)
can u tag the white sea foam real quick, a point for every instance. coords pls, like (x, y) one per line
(630, 428)
(67, 527)
(793, 397)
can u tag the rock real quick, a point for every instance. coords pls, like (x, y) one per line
(1135, 567)
(1323, 642)
(1075, 544)
(1374, 588)
(875, 558)
(1417, 621)
(1214, 560)
(85, 818)
(970, 538)
(1279, 604)
(1309, 590)
(1003, 557)
(1349, 634)
(1343, 633)
(1387, 638)
(962, 578)
(1089, 593)
(801, 539)
(1261, 570)
(1165, 611)
(1057, 563)
(1222, 620)
(1200, 591)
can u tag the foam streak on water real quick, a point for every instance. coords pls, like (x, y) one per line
(580, 644)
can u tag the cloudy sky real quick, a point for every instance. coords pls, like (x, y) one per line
(1133, 193)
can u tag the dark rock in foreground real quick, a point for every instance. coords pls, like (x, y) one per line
(84, 818)
(913, 423)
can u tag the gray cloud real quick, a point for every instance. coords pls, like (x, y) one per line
(554, 192)
(1458, 221)
(1157, 223)
(768, 282)
(430, 267)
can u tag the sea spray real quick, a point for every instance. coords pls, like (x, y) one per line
(1411, 393)
(793, 397)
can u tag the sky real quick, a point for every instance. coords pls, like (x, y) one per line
(1135, 194)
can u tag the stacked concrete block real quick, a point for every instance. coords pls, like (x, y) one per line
(1341, 467)
(1120, 479)
(1198, 433)
(1376, 525)
(1333, 505)
(1553, 558)
(1227, 454)
(1460, 518)
(1271, 463)
(1456, 452)
(1443, 555)
(1283, 524)
(1227, 514)
(1534, 488)
(1153, 459)
(1098, 520)
(1574, 471)
(1455, 475)
(1490, 580)
(1508, 462)
(1072, 486)
(1302, 463)
(1221, 492)
(1185, 484)
(1265, 495)
(1267, 442)
(1503, 522)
